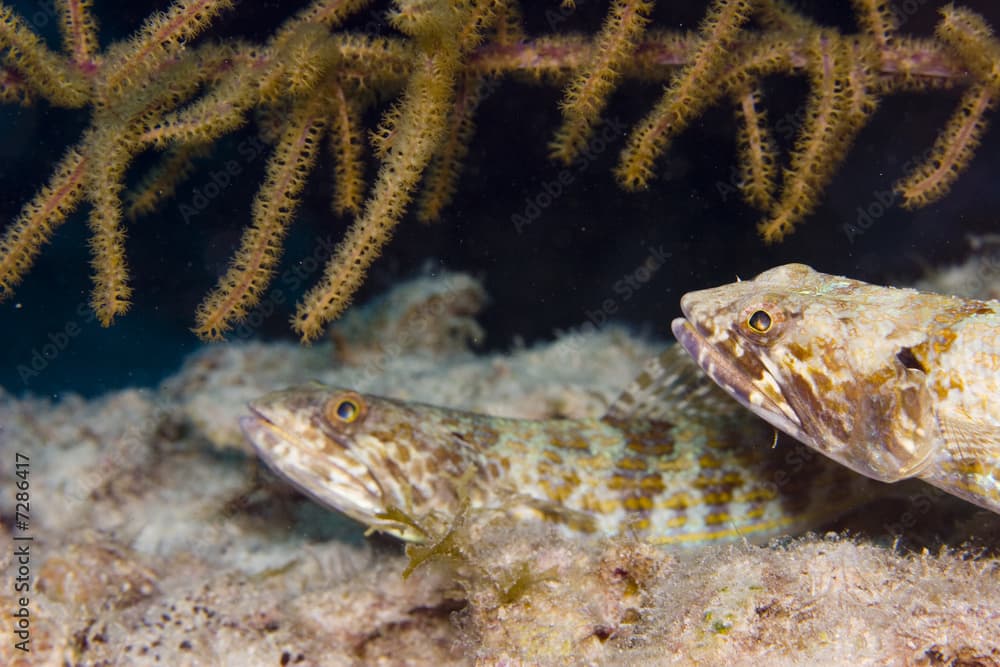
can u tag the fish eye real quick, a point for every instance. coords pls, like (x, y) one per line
(344, 409)
(759, 321)
(347, 410)
(762, 321)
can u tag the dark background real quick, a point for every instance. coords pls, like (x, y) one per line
(547, 278)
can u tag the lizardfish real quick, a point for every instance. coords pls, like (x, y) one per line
(892, 383)
(674, 461)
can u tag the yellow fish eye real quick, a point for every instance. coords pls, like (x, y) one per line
(759, 321)
(345, 409)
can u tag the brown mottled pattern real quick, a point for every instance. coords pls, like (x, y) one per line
(892, 383)
(689, 481)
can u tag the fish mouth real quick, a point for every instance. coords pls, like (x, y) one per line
(256, 416)
(260, 431)
(348, 485)
(266, 439)
(265, 422)
(263, 433)
(726, 373)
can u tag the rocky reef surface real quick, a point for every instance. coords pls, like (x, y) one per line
(157, 538)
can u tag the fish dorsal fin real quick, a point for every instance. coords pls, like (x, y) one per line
(669, 386)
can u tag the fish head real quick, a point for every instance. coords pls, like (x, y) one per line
(822, 358)
(383, 462)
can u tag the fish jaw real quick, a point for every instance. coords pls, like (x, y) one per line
(726, 373)
(288, 430)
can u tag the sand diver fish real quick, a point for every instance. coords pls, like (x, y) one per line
(892, 383)
(674, 461)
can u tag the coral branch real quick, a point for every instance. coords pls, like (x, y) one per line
(586, 96)
(161, 38)
(44, 71)
(161, 182)
(40, 218)
(346, 145)
(442, 175)
(110, 150)
(419, 120)
(759, 164)
(951, 152)
(955, 146)
(160, 91)
(241, 287)
(841, 76)
(683, 100)
(79, 31)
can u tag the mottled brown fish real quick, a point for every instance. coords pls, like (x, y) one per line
(892, 383)
(674, 461)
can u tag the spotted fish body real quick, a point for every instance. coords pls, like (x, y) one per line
(893, 383)
(700, 470)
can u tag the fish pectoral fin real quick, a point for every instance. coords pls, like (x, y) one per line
(970, 441)
(968, 464)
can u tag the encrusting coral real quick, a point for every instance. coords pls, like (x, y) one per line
(312, 80)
